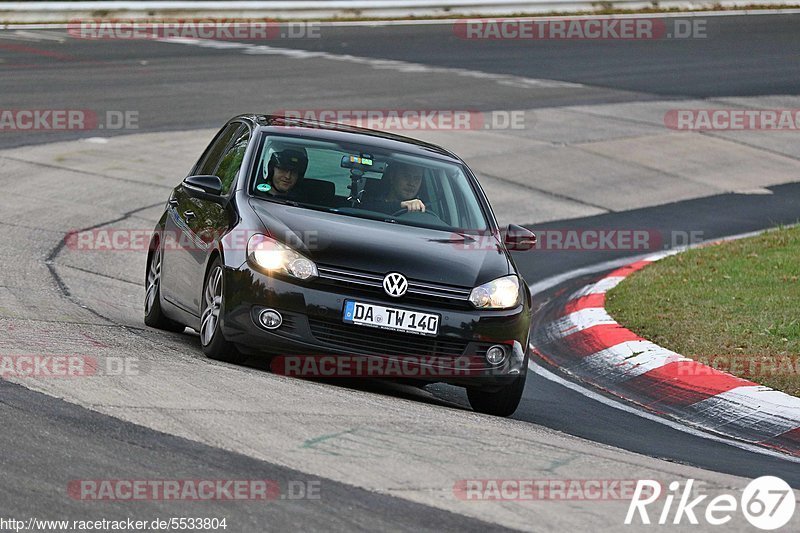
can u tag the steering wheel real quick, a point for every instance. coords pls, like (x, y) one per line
(426, 212)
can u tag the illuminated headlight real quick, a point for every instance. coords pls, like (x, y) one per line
(271, 255)
(502, 293)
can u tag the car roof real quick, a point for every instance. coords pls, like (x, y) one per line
(332, 131)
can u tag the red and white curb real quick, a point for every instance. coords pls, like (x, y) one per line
(592, 346)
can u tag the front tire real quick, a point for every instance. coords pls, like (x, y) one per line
(500, 403)
(215, 346)
(153, 314)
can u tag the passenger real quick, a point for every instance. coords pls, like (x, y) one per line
(402, 182)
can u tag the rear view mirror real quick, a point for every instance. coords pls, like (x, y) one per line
(208, 184)
(519, 239)
(363, 162)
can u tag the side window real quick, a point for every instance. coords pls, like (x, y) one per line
(213, 153)
(232, 158)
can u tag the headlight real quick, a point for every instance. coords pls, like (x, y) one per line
(501, 293)
(271, 255)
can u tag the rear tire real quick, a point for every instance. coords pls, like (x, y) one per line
(153, 314)
(215, 346)
(500, 403)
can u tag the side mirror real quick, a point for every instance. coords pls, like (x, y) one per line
(211, 185)
(519, 239)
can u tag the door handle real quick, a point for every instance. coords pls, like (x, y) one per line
(188, 214)
(173, 202)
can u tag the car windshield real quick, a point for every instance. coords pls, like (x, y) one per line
(367, 182)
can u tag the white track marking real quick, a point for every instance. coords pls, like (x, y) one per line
(653, 418)
(629, 359)
(19, 36)
(558, 279)
(449, 21)
(601, 287)
(382, 64)
(43, 35)
(745, 406)
(579, 321)
(782, 401)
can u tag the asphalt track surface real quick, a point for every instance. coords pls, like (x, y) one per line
(718, 217)
(186, 87)
(47, 441)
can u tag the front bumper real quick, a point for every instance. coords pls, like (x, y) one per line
(313, 326)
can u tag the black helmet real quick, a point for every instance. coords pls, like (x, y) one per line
(289, 159)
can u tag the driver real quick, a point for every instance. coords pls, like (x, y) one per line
(404, 181)
(284, 170)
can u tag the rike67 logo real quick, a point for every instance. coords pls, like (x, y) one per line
(767, 502)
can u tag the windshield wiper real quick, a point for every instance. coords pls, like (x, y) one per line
(464, 237)
(455, 237)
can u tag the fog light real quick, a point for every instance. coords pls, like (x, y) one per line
(270, 319)
(496, 355)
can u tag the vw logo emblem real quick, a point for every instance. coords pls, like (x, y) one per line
(395, 284)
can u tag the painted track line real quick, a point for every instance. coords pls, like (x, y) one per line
(585, 341)
(378, 64)
(623, 406)
(450, 20)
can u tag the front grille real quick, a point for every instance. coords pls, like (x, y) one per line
(382, 342)
(426, 293)
(289, 324)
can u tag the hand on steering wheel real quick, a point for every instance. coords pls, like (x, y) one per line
(414, 206)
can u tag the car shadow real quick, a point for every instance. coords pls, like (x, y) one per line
(439, 394)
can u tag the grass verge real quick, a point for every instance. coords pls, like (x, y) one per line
(734, 306)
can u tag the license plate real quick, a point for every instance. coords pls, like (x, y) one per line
(378, 316)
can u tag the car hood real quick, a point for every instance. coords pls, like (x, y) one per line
(421, 254)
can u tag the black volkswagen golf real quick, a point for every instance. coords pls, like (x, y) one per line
(294, 238)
